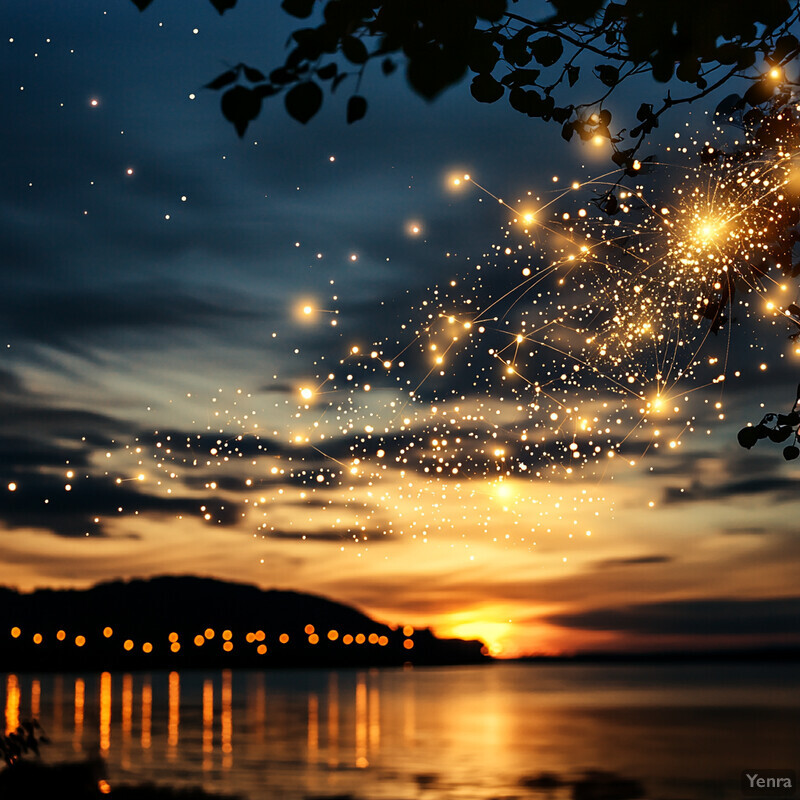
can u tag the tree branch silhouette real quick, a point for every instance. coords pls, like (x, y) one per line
(583, 43)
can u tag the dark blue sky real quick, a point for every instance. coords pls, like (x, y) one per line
(127, 309)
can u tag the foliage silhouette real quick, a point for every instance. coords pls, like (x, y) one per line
(21, 742)
(776, 428)
(81, 780)
(534, 61)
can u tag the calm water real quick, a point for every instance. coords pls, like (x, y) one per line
(686, 731)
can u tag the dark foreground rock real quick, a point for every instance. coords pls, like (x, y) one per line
(607, 786)
(84, 780)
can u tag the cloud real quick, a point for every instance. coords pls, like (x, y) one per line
(280, 387)
(784, 489)
(42, 501)
(40, 443)
(80, 318)
(694, 617)
(312, 536)
(747, 530)
(10, 384)
(474, 455)
(613, 563)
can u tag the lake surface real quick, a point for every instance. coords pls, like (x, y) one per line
(684, 731)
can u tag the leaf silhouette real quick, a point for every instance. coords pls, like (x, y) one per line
(783, 47)
(521, 77)
(431, 70)
(759, 93)
(298, 8)
(222, 80)
(303, 101)
(573, 73)
(607, 74)
(728, 105)
(328, 71)
(223, 5)
(781, 433)
(240, 106)
(252, 74)
(576, 10)
(356, 108)
(486, 89)
(354, 50)
(747, 437)
(490, 9)
(547, 50)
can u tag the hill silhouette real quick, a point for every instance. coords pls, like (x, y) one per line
(187, 622)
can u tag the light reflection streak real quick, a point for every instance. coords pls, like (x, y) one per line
(374, 715)
(58, 704)
(80, 697)
(361, 722)
(409, 713)
(226, 720)
(313, 728)
(12, 703)
(105, 713)
(127, 719)
(173, 722)
(147, 714)
(208, 724)
(333, 720)
(36, 697)
(258, 708)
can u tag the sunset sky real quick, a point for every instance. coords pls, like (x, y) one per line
(154, 274)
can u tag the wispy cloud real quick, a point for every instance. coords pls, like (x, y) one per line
(694, 617)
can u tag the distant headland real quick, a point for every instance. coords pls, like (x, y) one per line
(192, 622)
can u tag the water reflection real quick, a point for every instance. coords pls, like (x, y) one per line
(36, 698)
(127, 720)
(409, 718)
(313, 728)
(374, 713)
(105, 713)
(361, 722)
(256, 710)
(333, 720)
(12, 703)
(461, 733)
(58, 706)
(226, 721)
(80, 699)
(147, 713)
(174, 721)
(208, 723)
